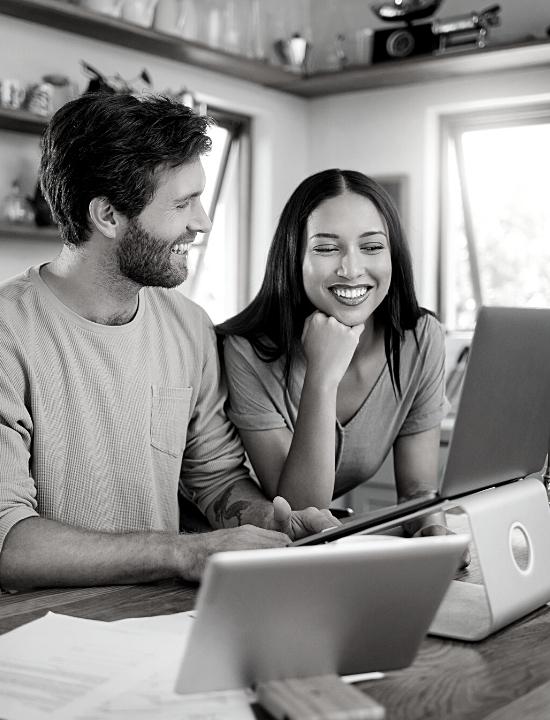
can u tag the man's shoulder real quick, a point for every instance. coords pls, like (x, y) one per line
(15, 294)
(178, 312)
(15, 287)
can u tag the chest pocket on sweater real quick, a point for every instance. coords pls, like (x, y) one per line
(169, 418)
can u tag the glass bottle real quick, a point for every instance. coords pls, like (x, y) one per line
(15, 206)
(256, 41)
(213, 23)
(189, 20)
(232, 28)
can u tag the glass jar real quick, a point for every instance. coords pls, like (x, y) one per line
(15, 207)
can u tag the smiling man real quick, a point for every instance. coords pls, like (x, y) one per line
(110, 395)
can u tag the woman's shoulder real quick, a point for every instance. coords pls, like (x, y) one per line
(238, 348)
(428, 327)
(242, 345)
(427, 337)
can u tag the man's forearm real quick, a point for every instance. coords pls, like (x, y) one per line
(241, 503)
(43, 553)
(39, 552)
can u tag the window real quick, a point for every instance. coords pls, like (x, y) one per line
(218, 261)
(495, 214)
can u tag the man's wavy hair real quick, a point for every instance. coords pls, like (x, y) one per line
(112, 146)
(273, 322)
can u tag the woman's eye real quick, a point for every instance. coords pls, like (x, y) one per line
(325, 250)
(372, 248)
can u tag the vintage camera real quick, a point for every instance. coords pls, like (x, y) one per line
(402, 42)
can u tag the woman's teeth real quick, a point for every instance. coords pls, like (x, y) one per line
(179, 248)
(350, 295)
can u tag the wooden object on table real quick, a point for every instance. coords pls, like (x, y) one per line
(324, 697)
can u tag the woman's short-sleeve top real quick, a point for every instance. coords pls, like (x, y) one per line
(259, 399)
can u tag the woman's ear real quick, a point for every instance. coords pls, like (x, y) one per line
(104, 217)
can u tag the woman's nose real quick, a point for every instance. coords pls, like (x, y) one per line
(352, 265)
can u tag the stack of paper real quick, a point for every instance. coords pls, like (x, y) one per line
(64, 667)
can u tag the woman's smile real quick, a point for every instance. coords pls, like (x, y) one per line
(350, 294)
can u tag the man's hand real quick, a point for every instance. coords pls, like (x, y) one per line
(300, 523)
(193, 550)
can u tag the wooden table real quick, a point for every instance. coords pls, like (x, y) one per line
(506, 677)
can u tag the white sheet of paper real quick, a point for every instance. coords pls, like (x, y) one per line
(153, 695)
(52, 663)
(66, 668)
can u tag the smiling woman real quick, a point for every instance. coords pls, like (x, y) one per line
(334, 363)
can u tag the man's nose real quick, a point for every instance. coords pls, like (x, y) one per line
(200, 222)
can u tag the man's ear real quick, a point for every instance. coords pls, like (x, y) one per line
(104, 217)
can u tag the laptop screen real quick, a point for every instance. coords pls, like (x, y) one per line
(502, 427)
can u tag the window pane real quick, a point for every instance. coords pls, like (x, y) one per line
(506, 178)
(213, 269)
(212, 162)
(215, 273)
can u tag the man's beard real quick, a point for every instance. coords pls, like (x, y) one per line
(146, 259)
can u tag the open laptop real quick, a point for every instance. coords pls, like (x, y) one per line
(274, 614)
(502, 428)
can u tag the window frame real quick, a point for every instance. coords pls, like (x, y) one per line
(451, 127)
(239, 128)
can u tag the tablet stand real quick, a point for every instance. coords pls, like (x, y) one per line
(512, 586)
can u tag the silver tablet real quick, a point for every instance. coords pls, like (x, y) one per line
(354, 606)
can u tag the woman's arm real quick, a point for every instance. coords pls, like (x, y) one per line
(300, 466)
(416, 468)
(416, 463)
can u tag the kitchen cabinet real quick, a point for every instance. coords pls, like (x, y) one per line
(458, 63)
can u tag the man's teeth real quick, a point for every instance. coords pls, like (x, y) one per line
(350, 293)
(179, 248)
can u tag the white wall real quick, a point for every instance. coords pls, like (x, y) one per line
(28, 51)
(395, 131)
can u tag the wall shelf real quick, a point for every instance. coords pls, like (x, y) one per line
(80, 21)
(454, 64)
(13, 231)
(458, 63)
(22, 121)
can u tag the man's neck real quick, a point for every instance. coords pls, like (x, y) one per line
(93, 290)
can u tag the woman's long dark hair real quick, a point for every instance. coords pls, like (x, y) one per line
(273, 322)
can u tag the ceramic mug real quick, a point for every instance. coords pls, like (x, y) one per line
(12, 94)
(169, 17)
(139, 12)
(105, 7)
(40, 99)
(360, 50)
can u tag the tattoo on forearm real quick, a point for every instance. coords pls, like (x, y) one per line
(225, 512)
